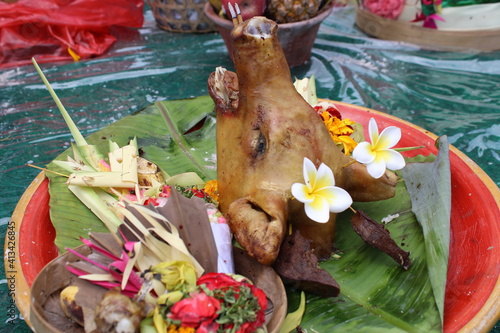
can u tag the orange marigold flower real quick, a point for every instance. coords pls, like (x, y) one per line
(340, 131)
(347, 143)
(211, 190)
(174, 329)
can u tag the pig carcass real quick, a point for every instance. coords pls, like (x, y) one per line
(264, 131)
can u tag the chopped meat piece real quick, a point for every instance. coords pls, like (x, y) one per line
(298, 266)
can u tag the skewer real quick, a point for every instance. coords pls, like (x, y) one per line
(233, 14)
(47, 170)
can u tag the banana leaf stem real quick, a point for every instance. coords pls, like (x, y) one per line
(79, 140)
(408, 148)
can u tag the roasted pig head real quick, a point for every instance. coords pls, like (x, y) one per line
(264, 131)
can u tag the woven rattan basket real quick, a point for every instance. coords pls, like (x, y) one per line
(181, 15)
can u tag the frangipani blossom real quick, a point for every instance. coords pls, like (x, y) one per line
(319, 193)
(378, 155)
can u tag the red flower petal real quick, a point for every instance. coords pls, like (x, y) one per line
(195, 311)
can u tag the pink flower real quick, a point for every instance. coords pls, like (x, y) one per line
(103, 166)
(197, 311)
(165, 191)
(385, 8)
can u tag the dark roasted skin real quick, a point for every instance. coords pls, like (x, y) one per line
(264, 131)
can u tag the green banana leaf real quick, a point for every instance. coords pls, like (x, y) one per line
(377, 295)
(374, 281)
(163, 140)
(423, 179)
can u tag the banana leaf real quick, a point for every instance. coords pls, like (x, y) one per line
(372, 280)
(161, 137)
(433, 212)
(377, 295)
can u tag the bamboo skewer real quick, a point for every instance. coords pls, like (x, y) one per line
(47, 170)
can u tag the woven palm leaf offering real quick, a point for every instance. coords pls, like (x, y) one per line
(166, 262)
(298, 188)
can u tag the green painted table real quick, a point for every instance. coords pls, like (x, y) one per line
(457, 94)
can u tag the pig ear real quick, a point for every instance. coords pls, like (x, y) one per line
(224, 89)
(259, 228)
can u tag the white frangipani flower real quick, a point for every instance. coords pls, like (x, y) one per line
(377, 155)
(319, 193)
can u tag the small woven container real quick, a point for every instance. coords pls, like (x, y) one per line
(181, 15)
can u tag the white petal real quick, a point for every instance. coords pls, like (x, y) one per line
(309, 173)
(363, 153)
(338, 198)
(301, 193)
(376, 168)
(373, 130)
(324, 177)
(318, 210)
(393, 159)
(389, 137)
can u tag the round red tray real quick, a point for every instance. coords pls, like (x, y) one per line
(473, 285)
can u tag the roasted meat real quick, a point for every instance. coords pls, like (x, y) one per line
(264, 131)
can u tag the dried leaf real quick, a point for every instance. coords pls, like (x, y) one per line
(376, 235)
(191, 219)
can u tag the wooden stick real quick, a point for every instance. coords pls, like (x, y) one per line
(47, 170)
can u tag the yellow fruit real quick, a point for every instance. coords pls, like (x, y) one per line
(69, 306)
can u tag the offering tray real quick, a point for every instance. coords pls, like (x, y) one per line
(473, 285)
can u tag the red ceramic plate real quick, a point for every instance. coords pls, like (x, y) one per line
(473, 286)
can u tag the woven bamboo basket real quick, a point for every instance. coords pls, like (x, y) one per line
(181, 15)
(486, 40)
